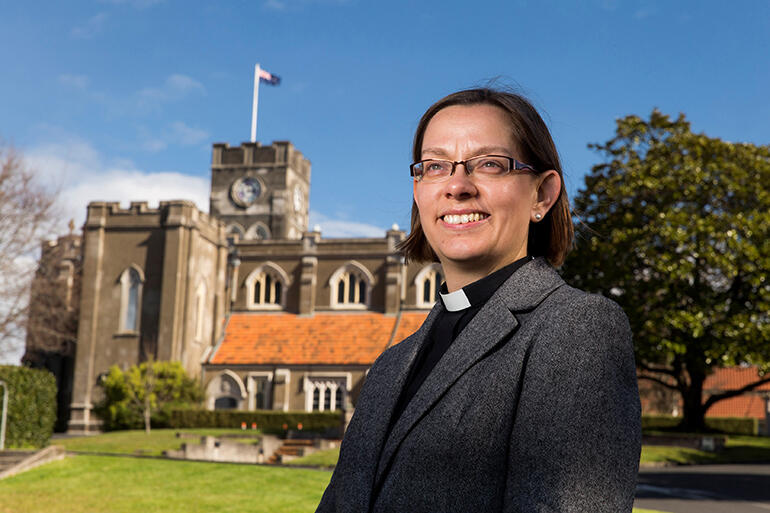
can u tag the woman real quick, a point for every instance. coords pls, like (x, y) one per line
(518, 393)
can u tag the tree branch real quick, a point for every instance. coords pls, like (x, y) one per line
(714, 398)
(660, 382)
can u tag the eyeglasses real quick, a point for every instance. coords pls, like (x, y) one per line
(483, 166)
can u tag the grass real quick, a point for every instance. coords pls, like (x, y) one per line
(324, 459)
(138, 442)
(738, 449)
(97, 484)
(115, 484)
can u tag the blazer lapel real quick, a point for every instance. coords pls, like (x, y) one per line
(490, 326)
(523, 291)
(383, 388)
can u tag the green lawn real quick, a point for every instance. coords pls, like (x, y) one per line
(325, 459)
(113, 484)
(738, 449)
(138, 442)
(116, 484)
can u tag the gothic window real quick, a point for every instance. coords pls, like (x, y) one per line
(131, 282)
(427, 285)
(351, 286)
(226, 392)
(266, 287)
(235, 229)
(258, 231)
(326, 394)
(199, 312)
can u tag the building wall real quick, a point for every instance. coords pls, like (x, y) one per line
(172, 248)
(288, 389)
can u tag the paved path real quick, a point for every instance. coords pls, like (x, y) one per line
(705, 489)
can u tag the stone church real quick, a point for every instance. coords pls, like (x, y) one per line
(267, 313)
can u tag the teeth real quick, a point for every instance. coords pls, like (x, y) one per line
(464, 218)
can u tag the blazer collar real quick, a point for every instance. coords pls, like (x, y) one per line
(523, 291)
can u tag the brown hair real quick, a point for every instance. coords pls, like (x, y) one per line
(552, 236)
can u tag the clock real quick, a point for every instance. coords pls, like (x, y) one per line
(245, 191)
(299, 198)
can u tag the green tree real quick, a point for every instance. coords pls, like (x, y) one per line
(145, 394)
(675, 226)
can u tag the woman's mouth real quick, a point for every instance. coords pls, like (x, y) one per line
(464, 218)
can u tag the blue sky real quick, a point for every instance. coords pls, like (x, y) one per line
(122, 99)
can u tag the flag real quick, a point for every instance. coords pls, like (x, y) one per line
(268, 78)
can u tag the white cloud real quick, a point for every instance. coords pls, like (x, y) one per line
(91, 27)
(174, 88)
(81, 174)
(74, 80)
(176, 133)
(333, 228)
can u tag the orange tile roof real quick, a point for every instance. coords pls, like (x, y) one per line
(325, 338)
(732, 378)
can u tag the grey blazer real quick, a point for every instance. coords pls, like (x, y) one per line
(534, 408)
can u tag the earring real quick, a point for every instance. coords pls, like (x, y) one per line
(538, 217)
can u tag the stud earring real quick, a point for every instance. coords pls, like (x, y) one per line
(538, 217)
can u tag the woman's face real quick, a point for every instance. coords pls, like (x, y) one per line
(505, 204)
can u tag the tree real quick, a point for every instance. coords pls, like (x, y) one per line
(675, 226)
(27, 215)
(146, 394)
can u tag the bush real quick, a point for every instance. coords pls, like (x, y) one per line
(733, 425)
(161, 386)
(267, 421)
(727, 425)
(31, 406)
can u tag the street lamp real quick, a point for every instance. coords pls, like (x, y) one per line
(4, 414)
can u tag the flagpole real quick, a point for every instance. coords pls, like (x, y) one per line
(254, 105)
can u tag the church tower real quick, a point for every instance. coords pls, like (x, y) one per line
(260, 192)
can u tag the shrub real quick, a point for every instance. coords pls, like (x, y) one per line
(727, 425)
(31, 406)
(267, 421)
(150, 388)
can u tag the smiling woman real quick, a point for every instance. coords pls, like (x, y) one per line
(518, 393)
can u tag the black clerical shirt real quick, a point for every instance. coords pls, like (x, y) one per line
(459, 308)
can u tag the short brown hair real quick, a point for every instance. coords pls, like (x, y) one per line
(551, 237)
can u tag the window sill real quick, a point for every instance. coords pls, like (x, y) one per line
(126, 334)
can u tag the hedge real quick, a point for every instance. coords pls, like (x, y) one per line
(727, 425)
(31, 406)
(268, 421)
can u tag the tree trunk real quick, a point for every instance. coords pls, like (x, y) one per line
(693, 420)
(147, 417)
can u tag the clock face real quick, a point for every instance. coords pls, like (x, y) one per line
(299, 198)
(245, 191)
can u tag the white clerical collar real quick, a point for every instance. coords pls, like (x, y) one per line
(455, 301)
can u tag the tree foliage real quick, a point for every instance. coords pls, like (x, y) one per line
(146, 394)
(675, 226)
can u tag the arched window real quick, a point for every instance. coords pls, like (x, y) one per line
(131, 282)
(235, 229)
(266, 287)
(427, 284)
(199, 314)
(225, 392)
(351, 286)
(258, 231)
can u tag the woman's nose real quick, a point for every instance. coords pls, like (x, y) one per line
(460, 183)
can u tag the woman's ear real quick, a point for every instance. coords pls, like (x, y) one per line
(548, 189)
(414, 193)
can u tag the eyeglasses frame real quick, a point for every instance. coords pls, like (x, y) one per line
(514, 165)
